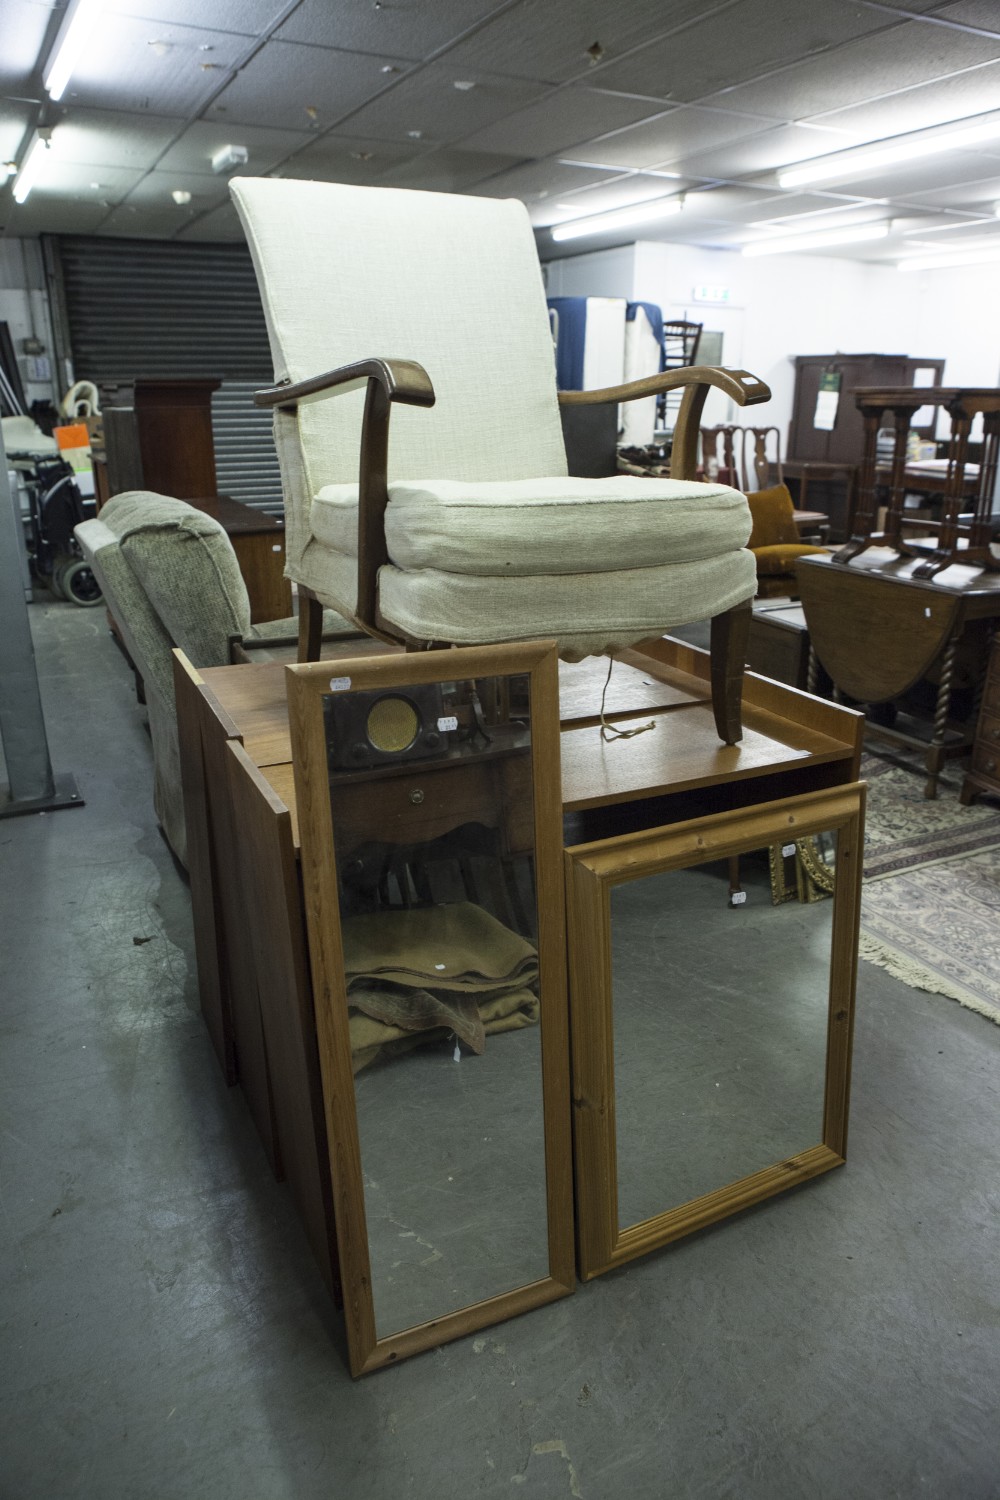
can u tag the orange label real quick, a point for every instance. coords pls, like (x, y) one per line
(73, 436)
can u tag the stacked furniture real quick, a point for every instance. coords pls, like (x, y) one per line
(666, 799)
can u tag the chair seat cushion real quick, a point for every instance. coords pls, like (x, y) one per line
(782, 557)
(586, 613)
(514, 528)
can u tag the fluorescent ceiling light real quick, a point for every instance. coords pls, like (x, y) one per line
(786, 244)
(967, 257)
(73, 37)
(31, 168)
(900, 149)
(619, 218)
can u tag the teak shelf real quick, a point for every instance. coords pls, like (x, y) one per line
(240, 809)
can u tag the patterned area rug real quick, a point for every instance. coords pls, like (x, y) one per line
(904, 831)
(930, 912)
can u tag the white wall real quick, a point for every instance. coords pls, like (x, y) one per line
(600, 274)
(785, 305)
(24, 308)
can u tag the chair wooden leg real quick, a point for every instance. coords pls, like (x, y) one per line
(310, 626)
(730, 633)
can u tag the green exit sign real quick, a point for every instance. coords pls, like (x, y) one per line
(712, 294)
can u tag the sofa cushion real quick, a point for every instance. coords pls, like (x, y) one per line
(513, 528)
(586, 613)
(187, 568)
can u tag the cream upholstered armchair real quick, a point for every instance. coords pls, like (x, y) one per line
(468, 529)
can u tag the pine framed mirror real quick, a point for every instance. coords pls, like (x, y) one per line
(711, 1043)
(430, 819)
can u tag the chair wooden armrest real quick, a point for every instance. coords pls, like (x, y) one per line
(387, 380)
(696, 381)
(401, 380)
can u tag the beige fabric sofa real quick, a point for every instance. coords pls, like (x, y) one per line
(170, 578)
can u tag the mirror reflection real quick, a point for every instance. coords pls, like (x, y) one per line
(720, 1022)
(431, 796)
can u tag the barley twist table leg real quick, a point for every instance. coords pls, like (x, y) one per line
(935, 750)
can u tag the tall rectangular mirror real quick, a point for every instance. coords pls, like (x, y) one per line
(711, 1040)
(430, 810)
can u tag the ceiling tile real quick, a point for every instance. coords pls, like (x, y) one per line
(220, 225)
(973, 13)
(938, 103)
(735, 43)
(922, 177)
(448, 171)
(193, 151)
(284, 81)
(804, 211)
(764, 151)
(15, 119)
(104, 137)
(670, 137)
(602, 199)
(154, 190)
(107, 185)
(543, 181)
(24, 24)
(337, 158)
(560, 121)
(147, 65)
(739, 205)
(245, 17)
(900, 58)
(979, 195)
(406, 28)
(145, 221)
(549, 39)
(44, 215)
(429, 102)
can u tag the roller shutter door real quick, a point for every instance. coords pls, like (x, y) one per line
(144, 307)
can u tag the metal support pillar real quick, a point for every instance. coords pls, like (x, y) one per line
(32, 786)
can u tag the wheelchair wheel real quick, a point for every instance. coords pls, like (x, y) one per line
(54, 580)
(79, 584)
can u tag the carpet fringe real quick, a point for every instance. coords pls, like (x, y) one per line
(901, 966)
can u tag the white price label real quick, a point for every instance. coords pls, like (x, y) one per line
(447, 723)
(738, 898)
(787, 850)
(339, 684)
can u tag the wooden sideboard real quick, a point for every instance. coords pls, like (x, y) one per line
(157, 435)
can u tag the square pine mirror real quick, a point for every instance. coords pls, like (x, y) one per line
(711, 1040)
(430, 814)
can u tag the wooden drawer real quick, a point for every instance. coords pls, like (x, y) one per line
(432, 800)
(988, 732)
(991, 692)
(986, 759)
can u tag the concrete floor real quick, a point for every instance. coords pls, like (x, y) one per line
(166, 1334)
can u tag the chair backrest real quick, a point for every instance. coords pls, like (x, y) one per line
(773, 513)
(453, 282)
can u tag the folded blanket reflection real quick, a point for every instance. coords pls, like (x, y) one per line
(420, 974)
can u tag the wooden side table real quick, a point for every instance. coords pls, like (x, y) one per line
(259, 543)
(984, 773)
(157, 435)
